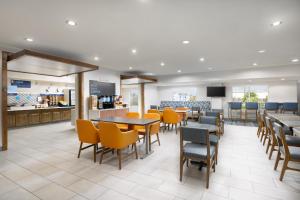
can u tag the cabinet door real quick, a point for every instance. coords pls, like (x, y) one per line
(56, 116)
(46, 117)
(66, 115)
(11, 120)
(34, 118)
(21, 119)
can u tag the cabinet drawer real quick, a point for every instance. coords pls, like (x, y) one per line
(33, 118)
(21, 119)
(56, 116)
(46, 117)
(66, 115)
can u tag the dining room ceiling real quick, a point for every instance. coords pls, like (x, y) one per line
(157, 37)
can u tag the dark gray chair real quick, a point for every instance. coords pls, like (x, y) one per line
(271, 107)
(219, 114)
(195, 145)
(290, 107)
(290, 153)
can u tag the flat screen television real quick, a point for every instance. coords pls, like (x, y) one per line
(216, 91)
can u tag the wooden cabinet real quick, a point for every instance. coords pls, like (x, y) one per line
(46, 117)
(11, 120)
(56, 116)
(33, 118)
(21, 119)
(66, 115)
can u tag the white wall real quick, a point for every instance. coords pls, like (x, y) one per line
(103, 75)
(151, 96)
(283, 92)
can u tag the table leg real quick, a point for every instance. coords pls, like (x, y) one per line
(147, 142)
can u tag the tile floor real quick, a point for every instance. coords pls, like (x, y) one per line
(41, 163)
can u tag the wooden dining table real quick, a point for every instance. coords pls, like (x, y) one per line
(131, 122)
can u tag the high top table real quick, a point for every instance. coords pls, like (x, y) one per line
(289, 120)
(131, 121)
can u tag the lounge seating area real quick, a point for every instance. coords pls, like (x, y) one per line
(150, 100)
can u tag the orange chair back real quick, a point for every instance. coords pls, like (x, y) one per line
(87, 132)
(111, 136)
(156, 111)
(168, 108)
(170, 117)
(133, 115)
(154, 128)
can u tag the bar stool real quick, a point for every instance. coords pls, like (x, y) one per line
(290, 107)
(251, 106)
(235, 106)
(271, 106)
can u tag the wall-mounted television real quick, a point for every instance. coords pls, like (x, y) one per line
(216, 91)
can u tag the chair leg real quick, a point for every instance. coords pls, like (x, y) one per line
(120, 158)
(207, 174)
(262, 134)
(265, 138)
(176, 128)
(158, 139)
(277, 159)
(284, 167)
(79, 150)
(217, 150)
(271, 151)
(268, 145)
(95, 152)
(181, 167)
(135, 149)
(101, 156)
(149, 142)
(258, 132)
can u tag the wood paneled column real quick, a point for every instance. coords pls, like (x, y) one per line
(4, 101)
(143, 98)
(80, 96)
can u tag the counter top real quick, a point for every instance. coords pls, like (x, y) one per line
(48, 108)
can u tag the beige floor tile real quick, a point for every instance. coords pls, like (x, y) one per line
(112, 195)
(54, 191)
(6, 185)
(16, 173)
(18, 194)
(33, 182)
(145, 193)
(63, 178)
(118, 184)
(87, 189)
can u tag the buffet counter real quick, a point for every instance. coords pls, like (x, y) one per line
(26, 117)
(111, 112)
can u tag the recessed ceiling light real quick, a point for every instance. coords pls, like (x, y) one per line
(282, 79)
(202, 59)
(130, 68)
(179, 71)
(210, 68)
(96, 58)
(71, 23)
(261, 51)
(254, 64)
(276, 23)
(29, 39)
(133, 51)
(185, 42)
(162, 64)
(295, 60)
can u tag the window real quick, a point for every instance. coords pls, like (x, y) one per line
(250, 93)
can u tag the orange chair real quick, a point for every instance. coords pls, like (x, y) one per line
(171, 117)
(124, 127)
(183, 116)
(156, 111)
(111, 137)
(87, 133)
(154, 128)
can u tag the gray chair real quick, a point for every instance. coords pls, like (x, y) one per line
(251, 107)
(235, 106)
(219, 114)
(290, 153)
(195, 145)
(195, 112)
